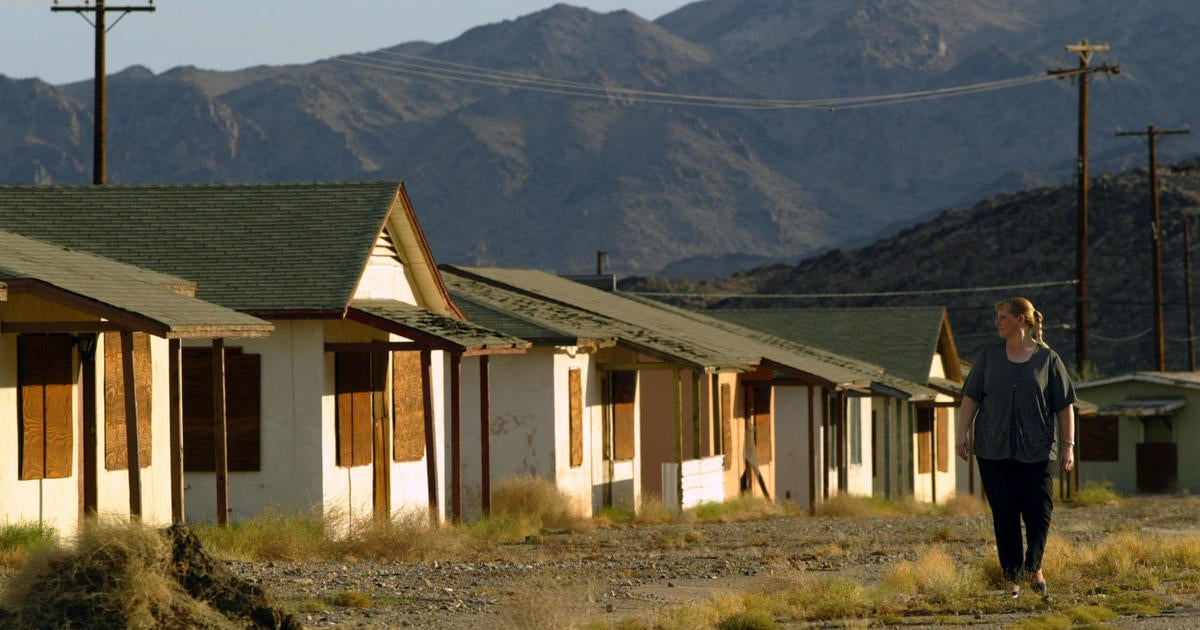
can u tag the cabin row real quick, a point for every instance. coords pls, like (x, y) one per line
(208, 352)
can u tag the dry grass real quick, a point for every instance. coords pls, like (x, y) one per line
(116, 575)
(19, 541)
(964, 505)
(274, 535)
(542, 601)
(540, 501)
(745, 508)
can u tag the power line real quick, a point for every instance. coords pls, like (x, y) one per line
(1002, 287)
(413, 65)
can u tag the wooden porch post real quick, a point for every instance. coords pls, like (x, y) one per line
(455, 436)
(175, 389)
(695, 415)
(131, 428)
(678, 435)
(431, 458)
(485, 433)
(88, 471)
(812, 454)
(220, 443)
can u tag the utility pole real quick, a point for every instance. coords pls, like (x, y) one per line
(1187, 289)
(1156, 238)
(99, 116)
(1085, 51)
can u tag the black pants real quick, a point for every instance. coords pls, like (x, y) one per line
(1018, 491)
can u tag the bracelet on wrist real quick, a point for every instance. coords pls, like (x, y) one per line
(1068, 442)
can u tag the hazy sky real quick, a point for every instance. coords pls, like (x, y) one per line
(231, 34)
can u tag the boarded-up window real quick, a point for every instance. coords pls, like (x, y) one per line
(115, 453)
(942, 429)
(575, 393)
(354, 407)
(408, 399)
(726, 423)
(760, 411)
(622, 398)
(45, 376)
(243, 403)
(1099, 439)
(924, 439)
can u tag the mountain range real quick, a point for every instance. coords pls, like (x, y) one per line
(501, 174)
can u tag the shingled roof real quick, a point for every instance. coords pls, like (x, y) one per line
(126, 295)
(686, 331)
(901, 339)
(562, 320)
(251, 247)
(448, 333)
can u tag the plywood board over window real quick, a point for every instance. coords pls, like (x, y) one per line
(359, 377)
(761, 412)
(1099, 439)
(575, 393)
(623, 394)
(116, 454)
(943, 439)
(408, 401)
(243, 410)
(45, 378)
(924, 440)
(727, 423)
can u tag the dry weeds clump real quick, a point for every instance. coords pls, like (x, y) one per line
(272, 535)
(120, 575)
(862, 506)
(1096, 493)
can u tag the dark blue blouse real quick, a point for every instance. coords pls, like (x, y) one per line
(1018, 403)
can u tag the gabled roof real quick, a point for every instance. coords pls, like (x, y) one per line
(260, 248)
(125, 295)
(561, 322)
(681, 331)
(447, 333)
(901, 339)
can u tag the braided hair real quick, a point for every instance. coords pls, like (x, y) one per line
(1018, 307)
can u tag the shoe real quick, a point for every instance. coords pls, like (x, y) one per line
(1040, 589)
(1014, 592)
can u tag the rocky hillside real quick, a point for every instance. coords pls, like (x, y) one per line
(968, 259)
(537, 178)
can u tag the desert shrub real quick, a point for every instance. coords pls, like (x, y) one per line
(538, 499)
(1096, 493)
(651, 509)
(350, 599)
(407, 537)
(117, 575)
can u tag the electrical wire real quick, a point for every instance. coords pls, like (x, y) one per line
(414, 65)
(1121, 339)
(1001, 287)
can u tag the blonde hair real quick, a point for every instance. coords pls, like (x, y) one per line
(1021, 307)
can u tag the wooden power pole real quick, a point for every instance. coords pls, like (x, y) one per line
(1085, 51)
(1156, 237)
(99, 116)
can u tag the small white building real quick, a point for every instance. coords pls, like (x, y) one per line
(715, 410)
(68, 320)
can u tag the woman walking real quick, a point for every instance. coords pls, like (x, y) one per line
(1016, 393)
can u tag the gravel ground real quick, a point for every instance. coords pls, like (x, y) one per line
(625, 572)
(561, 579)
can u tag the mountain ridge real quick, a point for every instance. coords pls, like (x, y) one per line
(507, 176)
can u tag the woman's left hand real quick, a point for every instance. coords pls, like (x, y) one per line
(1066, 459)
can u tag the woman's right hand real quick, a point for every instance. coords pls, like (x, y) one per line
(964, 446)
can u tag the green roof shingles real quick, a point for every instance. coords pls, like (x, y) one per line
(139, 293)
(901, 339)
(252, 247)
(688, 331)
